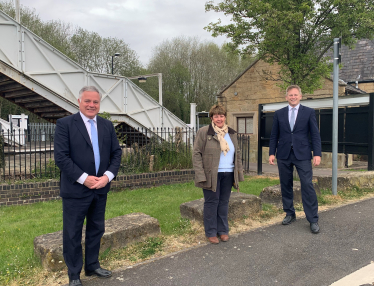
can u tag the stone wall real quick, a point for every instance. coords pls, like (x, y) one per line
(20, 194)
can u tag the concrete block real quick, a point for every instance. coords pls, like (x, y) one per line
(273, 195)
(119, 232)
(326, 160)
(240, 205)
(362, 180)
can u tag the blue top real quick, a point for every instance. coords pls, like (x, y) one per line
(226, 163)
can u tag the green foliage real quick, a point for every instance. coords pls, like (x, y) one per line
(18, 228)
(294, 34)
(47, 171)
(167, 155)
(192, 71)
(268, 211)
(150, 247)
(94, 53)
(254, 186)
(105, 115)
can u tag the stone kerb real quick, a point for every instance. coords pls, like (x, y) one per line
(361, 180)
(272, 195)
(240, 205)
(119, 232)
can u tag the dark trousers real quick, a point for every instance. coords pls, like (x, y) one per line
(74, 212)
(216, 206)
(308, 194)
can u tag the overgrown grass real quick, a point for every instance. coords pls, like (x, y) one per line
(327, 198)
(167, 155)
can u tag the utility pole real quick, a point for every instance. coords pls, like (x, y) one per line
(335, 112)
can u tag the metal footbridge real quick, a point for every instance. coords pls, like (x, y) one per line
(39, 78)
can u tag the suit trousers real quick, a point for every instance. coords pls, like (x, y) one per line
(74, 212)
(216, 205)
(308, 194)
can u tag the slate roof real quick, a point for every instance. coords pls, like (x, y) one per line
(358, 61)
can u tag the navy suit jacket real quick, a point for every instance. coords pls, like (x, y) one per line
(74, 155)
(282, 138)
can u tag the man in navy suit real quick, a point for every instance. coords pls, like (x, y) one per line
(292, 126)
(88, 154)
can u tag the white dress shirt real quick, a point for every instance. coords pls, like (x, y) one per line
(88, 127)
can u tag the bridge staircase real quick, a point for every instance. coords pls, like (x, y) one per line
(39, 78)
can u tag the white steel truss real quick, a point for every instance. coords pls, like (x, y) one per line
(32, 62)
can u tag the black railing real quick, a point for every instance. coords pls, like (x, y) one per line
(29, 154)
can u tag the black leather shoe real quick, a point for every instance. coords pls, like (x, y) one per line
(100, 272)
(75, 282)
(314, 227)
(289, 219)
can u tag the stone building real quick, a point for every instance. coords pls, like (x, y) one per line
(251, 88)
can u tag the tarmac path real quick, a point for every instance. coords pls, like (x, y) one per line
(274, 255)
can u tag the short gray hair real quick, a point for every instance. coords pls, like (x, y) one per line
(89, 88)
(292, 87)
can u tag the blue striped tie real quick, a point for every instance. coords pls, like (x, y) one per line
(95, 145)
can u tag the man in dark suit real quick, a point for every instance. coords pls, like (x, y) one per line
(292, 126)
(88, 154)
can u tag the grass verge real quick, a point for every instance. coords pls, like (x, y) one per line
(19, 225)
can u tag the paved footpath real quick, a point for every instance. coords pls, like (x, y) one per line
(275, 255)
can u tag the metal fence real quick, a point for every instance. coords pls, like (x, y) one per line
(143, 150)
(44, 129)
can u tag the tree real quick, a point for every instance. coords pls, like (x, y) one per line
(89, 49)
(192, 71)
(95, 53)
(295, 34)
(55, 32)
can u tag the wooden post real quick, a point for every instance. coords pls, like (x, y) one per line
(151, 162)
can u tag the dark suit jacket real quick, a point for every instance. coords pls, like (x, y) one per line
(74, 154)
(282, 138)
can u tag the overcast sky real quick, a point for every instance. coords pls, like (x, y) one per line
(142, 24)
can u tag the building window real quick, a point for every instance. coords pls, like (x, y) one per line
(245, 125)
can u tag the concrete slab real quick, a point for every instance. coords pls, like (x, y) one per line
(119, 232)
(240, 205)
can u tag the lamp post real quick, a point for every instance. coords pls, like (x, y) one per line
(143, 78)
(115, 55)
(18, 13)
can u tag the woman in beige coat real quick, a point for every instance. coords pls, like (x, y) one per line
(218, 168)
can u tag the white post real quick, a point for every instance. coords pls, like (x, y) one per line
(193, 115)
(160, 88)
(23, 128)
(23, 121)
(335, 118)
(18, 11)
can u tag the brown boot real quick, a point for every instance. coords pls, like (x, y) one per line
(213, 240)
(224, 237)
